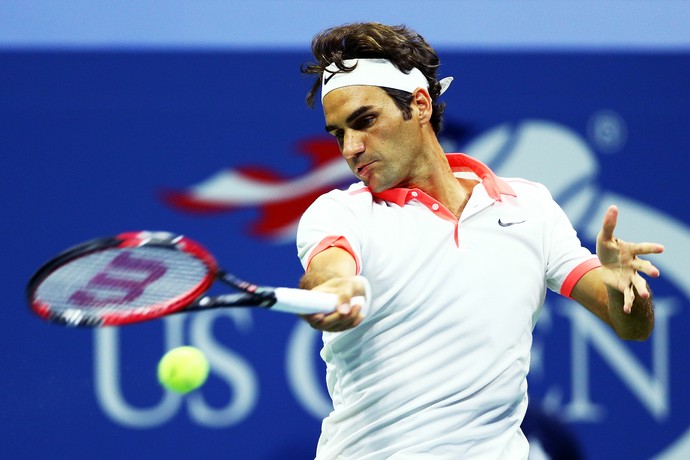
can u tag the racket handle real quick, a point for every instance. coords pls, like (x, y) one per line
(305, 302)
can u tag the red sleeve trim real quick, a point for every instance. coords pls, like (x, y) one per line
(577, 273)
(335, 241)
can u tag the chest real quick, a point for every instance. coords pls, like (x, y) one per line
(494, 240)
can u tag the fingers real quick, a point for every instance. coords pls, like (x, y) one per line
(628, 299)
(630, 282)
(621, 262)
(630, 251)
(609, 223)
(646, 248)
(646, 267)
(640, 286)
(345, 317)
(637, 287)
(607, 236)
(354, 294)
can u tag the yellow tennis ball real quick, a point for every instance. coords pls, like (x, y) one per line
(183, 369)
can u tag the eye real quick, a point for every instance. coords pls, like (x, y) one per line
(364, 122)
(339, 135)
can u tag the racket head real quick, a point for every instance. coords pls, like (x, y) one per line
(123, 279)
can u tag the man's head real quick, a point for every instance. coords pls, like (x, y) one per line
(404, 48)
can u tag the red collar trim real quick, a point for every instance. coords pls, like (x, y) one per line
(494, 185)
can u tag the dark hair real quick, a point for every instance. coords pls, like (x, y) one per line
(401, 45)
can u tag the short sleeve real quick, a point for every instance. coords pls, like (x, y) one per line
(330, 221)
(567, 259)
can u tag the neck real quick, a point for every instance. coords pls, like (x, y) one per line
(438, 181)
(454, 193)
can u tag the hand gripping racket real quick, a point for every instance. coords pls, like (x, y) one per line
(140, 276)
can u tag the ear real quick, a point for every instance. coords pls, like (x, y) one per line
(421, 105)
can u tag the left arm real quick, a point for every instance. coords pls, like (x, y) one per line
(616, 292)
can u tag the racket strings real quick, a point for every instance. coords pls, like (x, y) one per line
(122, 280)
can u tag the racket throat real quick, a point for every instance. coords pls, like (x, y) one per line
(263, 299)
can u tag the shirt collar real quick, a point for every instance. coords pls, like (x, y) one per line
(494, 185)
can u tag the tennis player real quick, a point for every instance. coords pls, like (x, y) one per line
(459, 261)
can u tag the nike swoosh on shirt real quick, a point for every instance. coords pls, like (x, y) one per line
(508, 224)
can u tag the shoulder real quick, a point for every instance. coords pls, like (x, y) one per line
(333, 206)
(526, 186)
(529, 190)
(355, 194)
(530, 195)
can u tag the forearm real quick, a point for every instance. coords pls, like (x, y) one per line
(639, 323)
(329, 264)
(334, 270)
(313, 278)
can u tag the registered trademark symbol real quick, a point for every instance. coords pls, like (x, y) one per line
(607, 131)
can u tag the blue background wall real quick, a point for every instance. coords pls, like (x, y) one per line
(105, 109)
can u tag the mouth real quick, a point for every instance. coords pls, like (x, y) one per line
(363, 170)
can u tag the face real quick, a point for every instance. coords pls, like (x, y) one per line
(380, 147)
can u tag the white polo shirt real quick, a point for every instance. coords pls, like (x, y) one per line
(439, 366)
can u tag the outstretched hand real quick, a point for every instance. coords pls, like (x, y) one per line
(620, 264)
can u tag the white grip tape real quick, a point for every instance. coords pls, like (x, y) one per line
(304, 302)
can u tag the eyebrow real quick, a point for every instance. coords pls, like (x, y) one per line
(353, 116)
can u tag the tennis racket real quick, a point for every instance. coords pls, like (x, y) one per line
(140, 276)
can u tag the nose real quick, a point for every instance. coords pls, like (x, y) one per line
(353, 144)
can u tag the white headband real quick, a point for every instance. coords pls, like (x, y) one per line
(375, 72)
